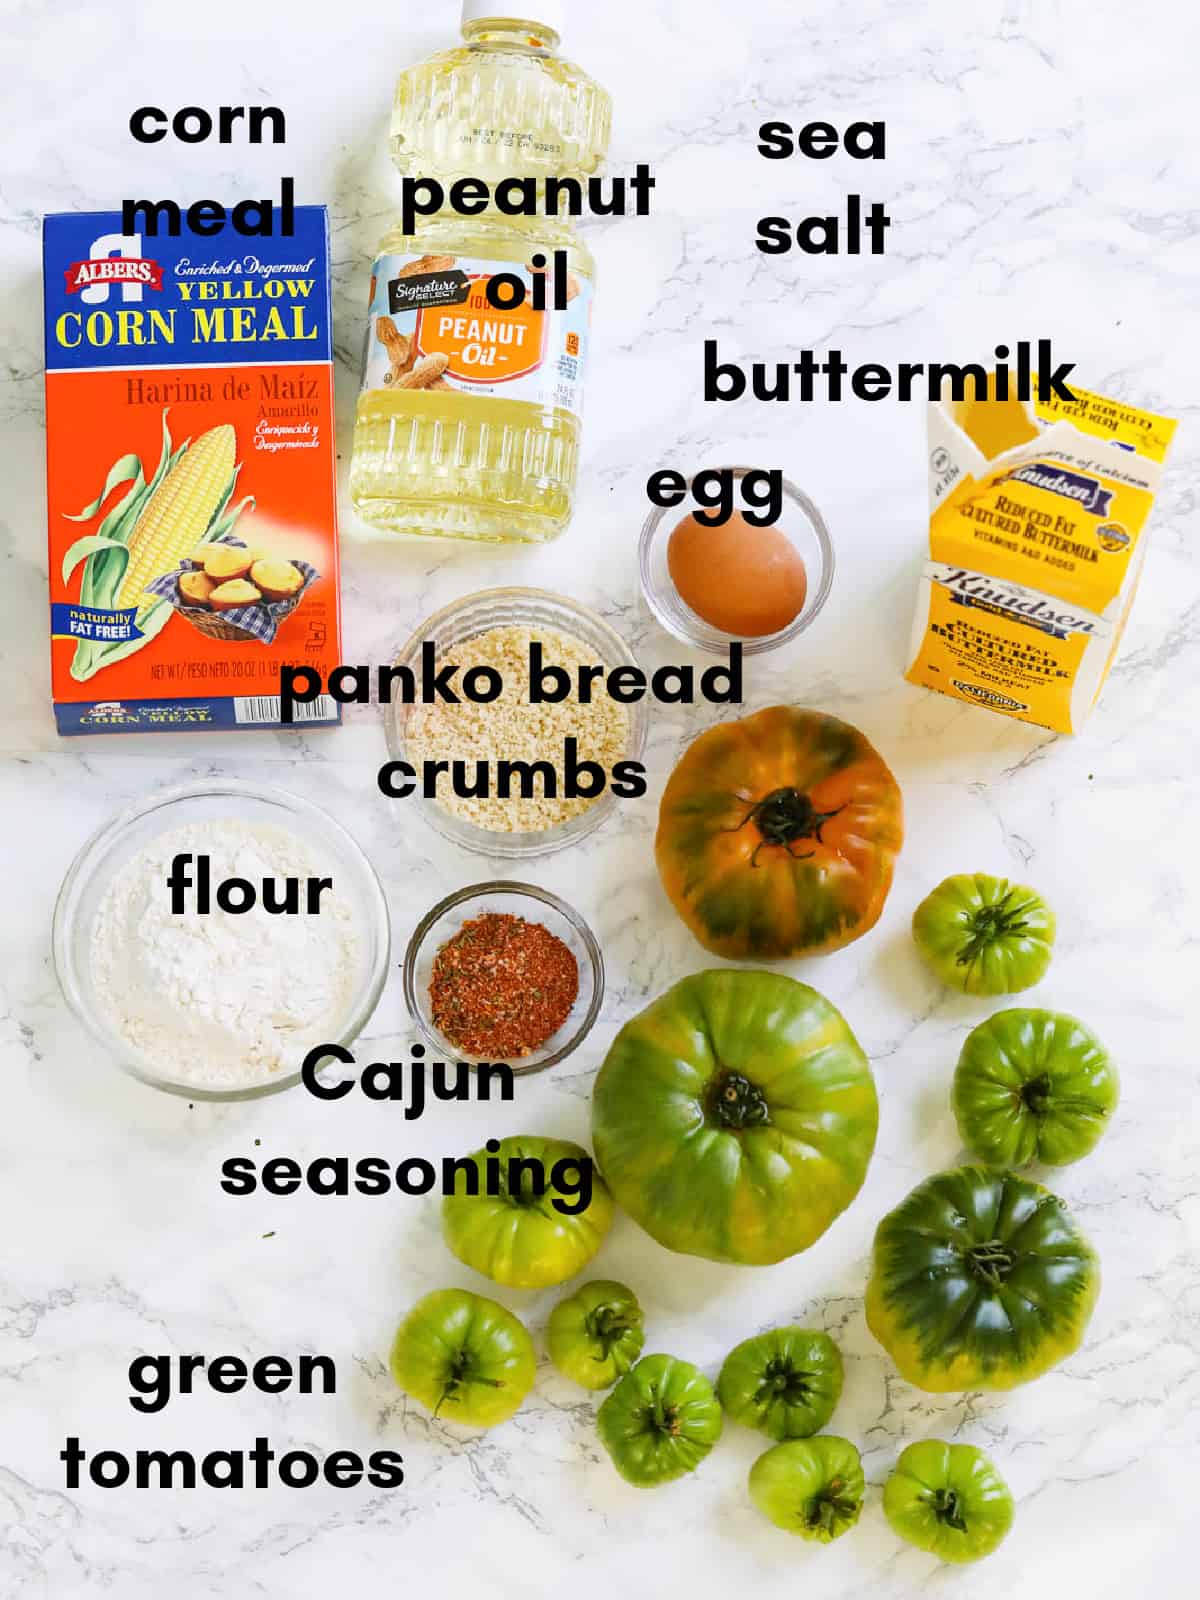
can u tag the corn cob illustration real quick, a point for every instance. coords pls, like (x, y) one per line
(155, 523)
(178, 512)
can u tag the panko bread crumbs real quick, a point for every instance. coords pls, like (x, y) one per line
(190, 464)
(1037, 535)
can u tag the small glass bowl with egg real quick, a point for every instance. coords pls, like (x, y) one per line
(711, 587)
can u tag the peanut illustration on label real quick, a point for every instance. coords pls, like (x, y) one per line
(426, 374)
(400, 349)
(426, 264)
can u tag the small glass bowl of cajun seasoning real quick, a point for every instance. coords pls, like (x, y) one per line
(504, 972)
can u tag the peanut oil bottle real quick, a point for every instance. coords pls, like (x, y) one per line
(468, 419)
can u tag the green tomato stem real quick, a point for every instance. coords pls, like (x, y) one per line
(829, 1506)
(736, 1103)
(607, 1325)
(947, 1508)
(659, 1416)
(782, 818)
(992, 1261)
(782, 1381)
(1035, 1095)
(462, 1371)
(990, 923)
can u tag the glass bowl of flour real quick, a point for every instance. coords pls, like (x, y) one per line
(212, 936)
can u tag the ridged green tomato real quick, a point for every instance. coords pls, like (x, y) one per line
(735, 1116)
(1033, 1086)
(660, 1421)
(786, 1383)
(948, 1499)
(980, 1280)
(465, 1357)
(521, 1237)
(985, 935)
(813, 1487)
(596, 1334)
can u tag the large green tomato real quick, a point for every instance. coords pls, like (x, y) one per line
(596, 1334)
(1033, 1086)
(980, 1280)
(948, 1499)
(520, 1235)
(735, 1116)
(660, 1421)
(813, 1487)
(786, 1383)
(985, 935)
(466, 1358)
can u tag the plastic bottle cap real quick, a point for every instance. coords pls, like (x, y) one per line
(550, 13)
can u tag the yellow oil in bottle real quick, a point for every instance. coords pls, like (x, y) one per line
(461, 458)
(468, 420)
(503, 103)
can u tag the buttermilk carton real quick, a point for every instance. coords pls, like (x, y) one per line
(190, 463)
(1037, 535)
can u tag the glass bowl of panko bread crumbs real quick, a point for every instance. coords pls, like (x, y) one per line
(514, 745)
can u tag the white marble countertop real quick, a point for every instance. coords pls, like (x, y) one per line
(1040, 183)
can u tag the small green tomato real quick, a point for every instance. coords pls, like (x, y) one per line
(948, 1499)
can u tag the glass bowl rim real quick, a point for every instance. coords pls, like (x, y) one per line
(109, 833)
(545, 897)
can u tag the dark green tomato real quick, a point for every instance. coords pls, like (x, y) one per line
(985, 935)
(948, 1499)
(660, 1421)
(596, 1334)
(813, 1487)
(1033, 1086)
(980, 1280)
(785, 1383)
(521, 1235)
(735, 1116)
(466, 1358)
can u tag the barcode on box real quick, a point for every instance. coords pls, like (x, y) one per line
(269, 708)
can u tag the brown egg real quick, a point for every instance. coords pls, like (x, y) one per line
(741, 579)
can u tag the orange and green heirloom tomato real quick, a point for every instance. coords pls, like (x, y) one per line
(980, 1280)
(777, 835)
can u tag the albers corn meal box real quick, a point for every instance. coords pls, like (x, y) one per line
(191, 474)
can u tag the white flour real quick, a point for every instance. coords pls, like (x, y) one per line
(223, 1000)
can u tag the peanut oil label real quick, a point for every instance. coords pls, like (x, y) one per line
(433, 327)
(483, 345)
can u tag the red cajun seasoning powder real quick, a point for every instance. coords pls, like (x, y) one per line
(502, 986)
